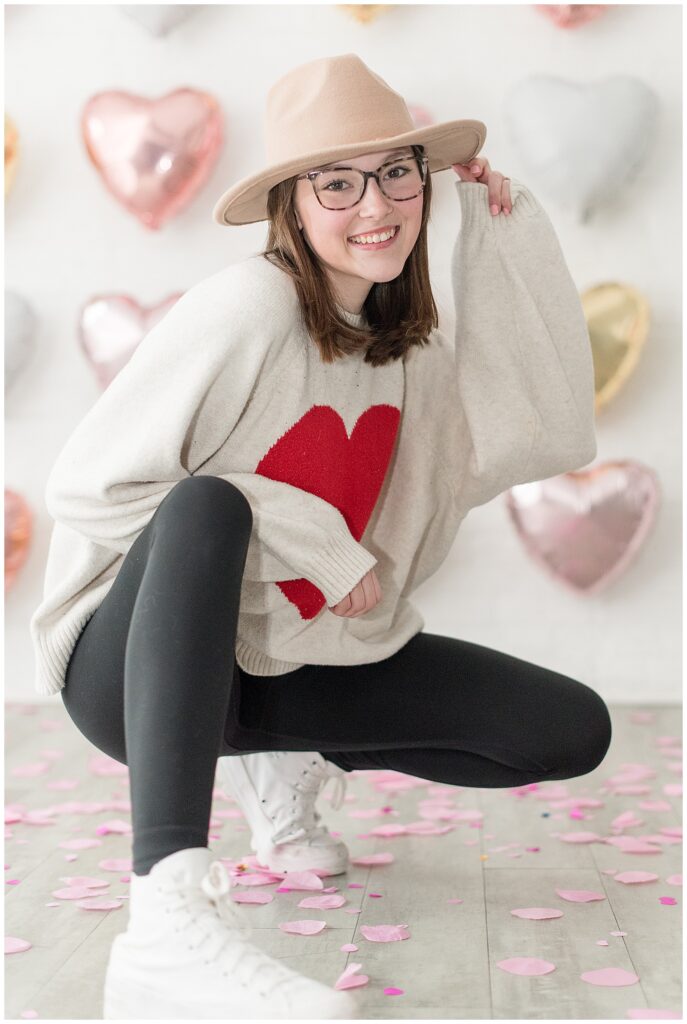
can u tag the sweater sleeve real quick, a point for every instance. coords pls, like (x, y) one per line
(524, 368)
(168, 410)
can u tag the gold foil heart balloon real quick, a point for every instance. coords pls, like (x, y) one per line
(153, 155)
(586, 527)
(11, 151)
(365, 13)
(618, 322)
(18, 528)
(112, 326)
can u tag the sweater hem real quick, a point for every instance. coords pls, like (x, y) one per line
(257, 663)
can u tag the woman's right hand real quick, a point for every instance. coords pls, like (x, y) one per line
(364, 596)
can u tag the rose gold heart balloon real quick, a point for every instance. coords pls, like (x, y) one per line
(618, 321)
(153, 155)
(111, 328)
(571, 15)
(585, 527)
(18, 527)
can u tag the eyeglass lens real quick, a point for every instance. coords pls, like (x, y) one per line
(337, 189)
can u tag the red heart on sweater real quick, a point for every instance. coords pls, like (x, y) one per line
(318, 456)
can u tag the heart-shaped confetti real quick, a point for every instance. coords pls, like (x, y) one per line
(537, 913)
(14, 945)
(526, 965)
(385, 932)
(306, 927)
(579, 895)
(611, 977)
(349, 978)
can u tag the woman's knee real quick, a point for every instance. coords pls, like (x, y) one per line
(589, 732)
(208, 505)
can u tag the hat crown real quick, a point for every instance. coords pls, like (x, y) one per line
(328, 103)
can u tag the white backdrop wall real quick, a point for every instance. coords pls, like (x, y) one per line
(67, 239)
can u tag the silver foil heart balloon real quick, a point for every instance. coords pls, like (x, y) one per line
(579, 142)
(20, 326)
(585, 527)
(112, 326)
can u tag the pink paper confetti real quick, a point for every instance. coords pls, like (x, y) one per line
(393, 991)
(322, 902)
(632, 877)
(117, 864)
(643, 1013)
(454, 900)
(90, 883)
(303, 880)
(72, 892)
(537, 913)
(116, 825)
(79, 844)
(257, 879)
(349, 947)
(579, 895)
(349, 978)
(14, 945)
(252, 897)
(580, 837)
(526, 965)
(305, 927)
(30, 771)
(373, 858)
(667, 901)
(29, 1014)
(99, 903)
(385, 932)
(674, 879)
(611, 977)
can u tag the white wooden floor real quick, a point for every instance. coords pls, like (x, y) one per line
(449, 967)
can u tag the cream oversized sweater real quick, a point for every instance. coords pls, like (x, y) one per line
(346, 466)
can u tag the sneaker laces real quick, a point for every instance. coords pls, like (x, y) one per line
(243, 960)
(306, 789)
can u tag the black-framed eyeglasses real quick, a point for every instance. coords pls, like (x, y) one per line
(339, 188)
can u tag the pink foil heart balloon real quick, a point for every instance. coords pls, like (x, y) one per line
(112, 326)
(571, 15)
(585, 527)
(18, 529)
(153, 155)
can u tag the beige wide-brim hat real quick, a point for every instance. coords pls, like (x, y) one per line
(334, 108)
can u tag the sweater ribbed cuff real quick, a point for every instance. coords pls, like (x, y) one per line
(474, 205)
(339, 566)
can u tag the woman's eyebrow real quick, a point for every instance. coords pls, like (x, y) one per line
(336, 163)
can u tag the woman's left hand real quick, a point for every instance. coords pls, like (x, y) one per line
(499, 186)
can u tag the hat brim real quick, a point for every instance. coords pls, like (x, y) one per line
(451, 142)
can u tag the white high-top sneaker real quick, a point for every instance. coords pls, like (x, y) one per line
(276, 790)
(186, 955)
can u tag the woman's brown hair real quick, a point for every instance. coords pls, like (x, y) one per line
(399, 313)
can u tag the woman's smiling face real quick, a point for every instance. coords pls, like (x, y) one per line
(352, 269)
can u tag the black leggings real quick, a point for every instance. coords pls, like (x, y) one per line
(153, 683)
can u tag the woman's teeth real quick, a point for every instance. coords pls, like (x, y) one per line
(369, 239)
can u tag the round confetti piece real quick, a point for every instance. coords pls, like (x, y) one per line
(72, 892)
(98, 903)
(610, 977)
(14, 945)
(349, 947)
(393, 992)
(537, 913)
(526, 965)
